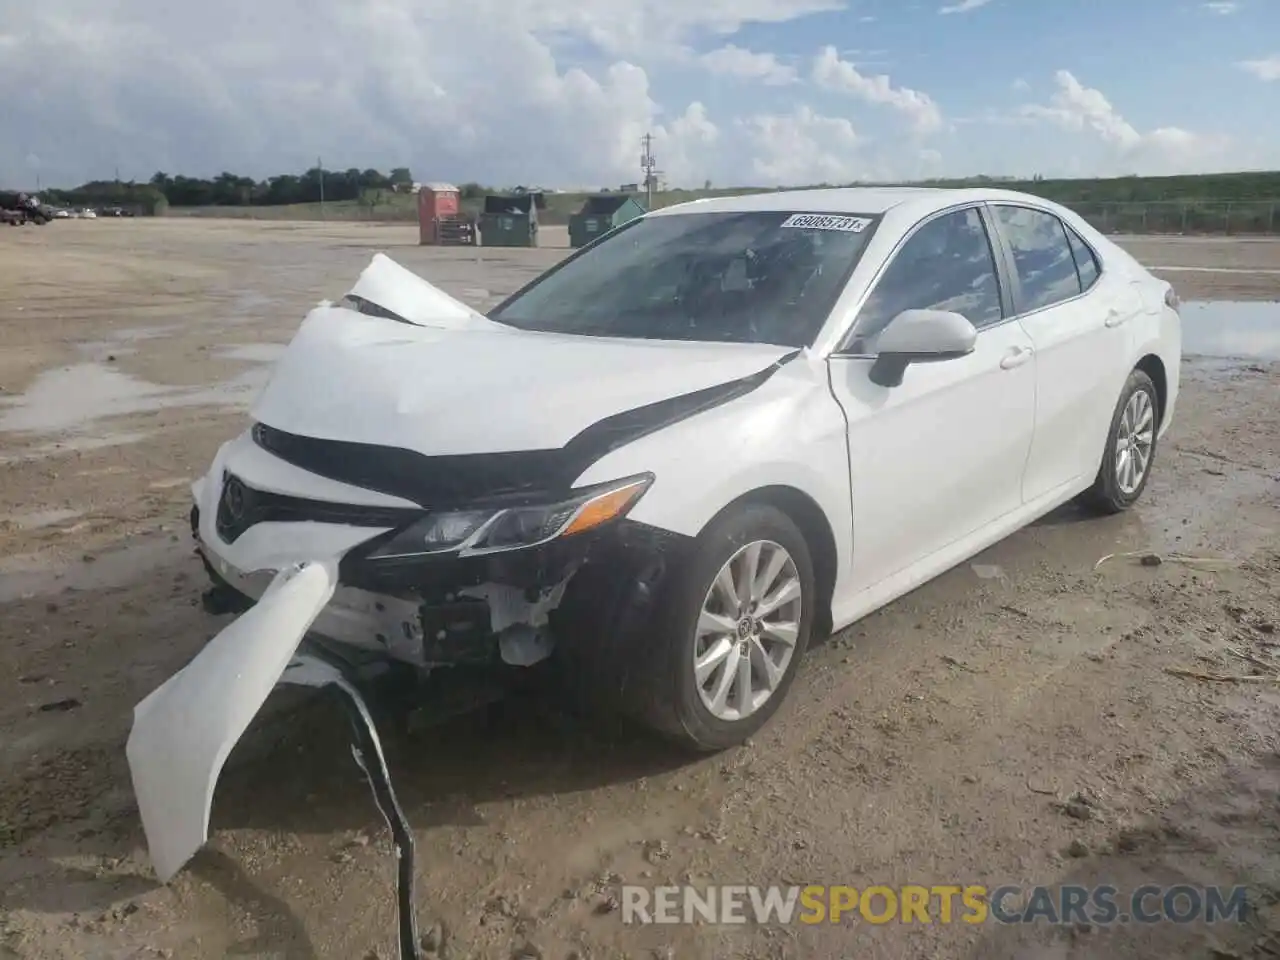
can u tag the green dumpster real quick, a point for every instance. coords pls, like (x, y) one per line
(510, 221)
(600, 214)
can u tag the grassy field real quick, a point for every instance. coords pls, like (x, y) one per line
(1257, 217)
(1218, 203)
(394, 207)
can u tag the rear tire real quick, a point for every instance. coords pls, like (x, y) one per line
(1130, 449)
(770, 628)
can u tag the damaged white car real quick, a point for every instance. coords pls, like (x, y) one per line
(714, 434)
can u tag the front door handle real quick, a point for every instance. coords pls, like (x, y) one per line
(1015, 358)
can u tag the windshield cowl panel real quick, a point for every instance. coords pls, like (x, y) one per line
(766, 277)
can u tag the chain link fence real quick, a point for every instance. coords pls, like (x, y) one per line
(1221, 218)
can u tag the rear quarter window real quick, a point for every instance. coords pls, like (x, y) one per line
(1086, 261)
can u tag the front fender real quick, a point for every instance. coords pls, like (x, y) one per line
(789, 432)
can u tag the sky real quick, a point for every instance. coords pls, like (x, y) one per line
(558, 93)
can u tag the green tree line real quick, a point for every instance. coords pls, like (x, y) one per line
(1191, 188)
(232, 190)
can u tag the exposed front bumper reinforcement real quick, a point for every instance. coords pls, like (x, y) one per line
(312, 670)
(184, 730)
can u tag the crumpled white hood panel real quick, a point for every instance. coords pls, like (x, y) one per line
(454, 382)
(407, 295)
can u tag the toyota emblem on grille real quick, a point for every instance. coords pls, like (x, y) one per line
(234, 498)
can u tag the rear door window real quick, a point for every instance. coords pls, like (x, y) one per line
(1041, 255)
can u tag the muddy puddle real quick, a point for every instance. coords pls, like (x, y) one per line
(73, 397)
(251, 352)
(1232, 330)
(1266, 272)
(25, 576)
(38, 519)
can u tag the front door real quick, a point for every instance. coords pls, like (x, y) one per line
(941, 455)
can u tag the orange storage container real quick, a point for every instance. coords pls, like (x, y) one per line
(436, 202)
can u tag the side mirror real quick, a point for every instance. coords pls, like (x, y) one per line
(919, 336)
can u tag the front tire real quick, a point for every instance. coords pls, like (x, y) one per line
(1131, 447)
(735, 630)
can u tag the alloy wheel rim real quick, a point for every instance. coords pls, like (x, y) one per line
(1134, 439)
(747, 630)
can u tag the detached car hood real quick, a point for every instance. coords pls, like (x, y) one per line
(401, 363)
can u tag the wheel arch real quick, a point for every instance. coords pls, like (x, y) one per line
(1153, 367)
(814, 526)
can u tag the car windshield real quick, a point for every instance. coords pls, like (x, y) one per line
(752, 277)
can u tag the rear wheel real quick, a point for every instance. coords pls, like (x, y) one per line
(1130, 448)
(735, 631)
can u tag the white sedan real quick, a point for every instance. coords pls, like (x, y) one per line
(667, 464)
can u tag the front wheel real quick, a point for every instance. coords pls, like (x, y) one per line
(1130, 449)
(735, 633)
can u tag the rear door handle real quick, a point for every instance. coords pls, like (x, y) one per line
(1015, 358)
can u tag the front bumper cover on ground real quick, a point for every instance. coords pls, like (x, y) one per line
(184, 731)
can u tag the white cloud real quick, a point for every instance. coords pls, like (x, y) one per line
(1222, 7)
(802, 148)
(556, 92)
(682, 147)
(1021, 85)
(1267, 68)
(964, 6)
(262, 88)
(733, 61)
(627, 28)
(1078, 108)
(832, 73)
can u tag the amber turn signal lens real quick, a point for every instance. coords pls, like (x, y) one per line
(605, 507)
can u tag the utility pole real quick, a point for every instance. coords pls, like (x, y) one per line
(648, 166)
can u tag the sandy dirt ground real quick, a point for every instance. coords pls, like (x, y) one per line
(1014, 721)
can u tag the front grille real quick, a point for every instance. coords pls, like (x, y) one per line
(241, 506)
(443, 482)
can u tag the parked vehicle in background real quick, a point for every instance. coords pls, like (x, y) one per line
(17, 209)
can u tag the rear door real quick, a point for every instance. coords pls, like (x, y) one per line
(940, 456)
(1073, 315)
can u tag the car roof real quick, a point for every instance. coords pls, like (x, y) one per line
(865, 200)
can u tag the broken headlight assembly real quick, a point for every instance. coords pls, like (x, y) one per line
(476, 532)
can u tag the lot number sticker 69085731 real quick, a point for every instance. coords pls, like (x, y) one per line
(826, 221)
